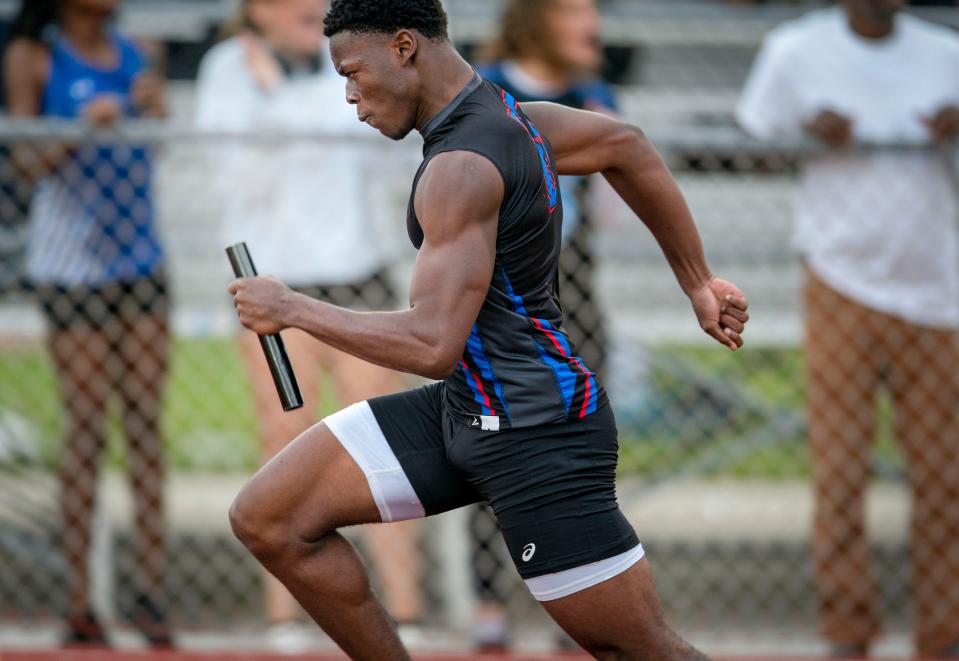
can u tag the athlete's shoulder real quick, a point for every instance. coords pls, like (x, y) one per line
(484, 116)
(487, 97)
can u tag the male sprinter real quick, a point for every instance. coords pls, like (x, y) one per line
(517, 419)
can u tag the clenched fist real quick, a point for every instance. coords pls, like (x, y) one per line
(721, 309)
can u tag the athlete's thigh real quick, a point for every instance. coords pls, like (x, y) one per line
(311, 486)
(377, 460)
(410, 474)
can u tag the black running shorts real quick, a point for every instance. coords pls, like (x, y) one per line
(552, 487)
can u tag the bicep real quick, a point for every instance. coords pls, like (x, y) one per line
(583, 142)
(23, 65)
(457, 203)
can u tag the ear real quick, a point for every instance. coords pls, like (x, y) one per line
(405, 45)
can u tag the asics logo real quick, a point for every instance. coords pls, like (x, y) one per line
(528, 552)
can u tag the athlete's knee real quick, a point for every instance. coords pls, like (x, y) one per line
(260, 530)
(268, 530)
(250, 525)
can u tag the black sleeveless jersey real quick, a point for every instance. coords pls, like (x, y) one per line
(518, 368)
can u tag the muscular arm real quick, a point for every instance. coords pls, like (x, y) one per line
(586, 143)
(457, 202)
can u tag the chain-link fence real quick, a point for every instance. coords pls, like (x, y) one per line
(745, 475)
(143, 376)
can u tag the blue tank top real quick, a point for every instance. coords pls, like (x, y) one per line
(103, 191)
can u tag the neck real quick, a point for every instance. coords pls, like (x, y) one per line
(545, 73)
(870, 29)
(86, 31)
(444, 75)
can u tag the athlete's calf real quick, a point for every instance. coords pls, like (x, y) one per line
(620, 620)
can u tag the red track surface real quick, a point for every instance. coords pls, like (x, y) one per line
(111, 655)
(114, 655)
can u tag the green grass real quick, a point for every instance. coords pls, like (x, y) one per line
(28, 388)
(735, 415)
(208, 410)
(711, 408)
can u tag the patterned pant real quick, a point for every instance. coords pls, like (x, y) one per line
(851, 352)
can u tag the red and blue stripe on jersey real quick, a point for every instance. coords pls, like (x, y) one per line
(549, 176)
(576, 383)
(478, 369)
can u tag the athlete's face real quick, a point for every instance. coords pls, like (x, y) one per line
(291, 27)
(573, 29)
(381, 80)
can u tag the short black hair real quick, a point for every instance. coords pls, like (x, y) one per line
(386, 17)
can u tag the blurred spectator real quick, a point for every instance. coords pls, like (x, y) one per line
(95, 260)
(549, 50)
(878, 235)
(303, 206)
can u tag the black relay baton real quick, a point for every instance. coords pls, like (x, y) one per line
(273, 349)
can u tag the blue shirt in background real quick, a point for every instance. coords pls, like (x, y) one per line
(93, 220)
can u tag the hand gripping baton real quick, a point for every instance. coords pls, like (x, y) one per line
(273, 349)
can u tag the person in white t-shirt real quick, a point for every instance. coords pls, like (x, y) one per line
(876, 226)
(303, 208)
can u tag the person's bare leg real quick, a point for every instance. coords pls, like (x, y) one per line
(277, 428)
(144, 353)
(288, 515)
(80, 358)
(393, 547)
(397, 560)
(620, 619)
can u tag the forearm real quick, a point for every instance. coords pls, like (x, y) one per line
(36, 161)
(400, 341)
(641, 178)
